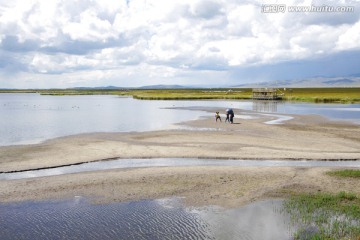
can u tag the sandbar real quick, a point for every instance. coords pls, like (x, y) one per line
(301, 137)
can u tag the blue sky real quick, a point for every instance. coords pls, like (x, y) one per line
(63, 43)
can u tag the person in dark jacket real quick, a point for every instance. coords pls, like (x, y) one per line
(232, 118)
(227, 118)
(230, 115)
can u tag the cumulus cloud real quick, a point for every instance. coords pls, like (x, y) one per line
(159, 40)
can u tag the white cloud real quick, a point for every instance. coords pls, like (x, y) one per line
(350, 39)
(164, 39)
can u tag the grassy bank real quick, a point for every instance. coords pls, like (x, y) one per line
(319, 95)
(353, 173)
(325, 95)
(325, 216)
(180, 94)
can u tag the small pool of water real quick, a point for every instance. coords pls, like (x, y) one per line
(171, 162)
(147, 219)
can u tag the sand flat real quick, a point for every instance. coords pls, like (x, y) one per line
(304, 137)
(223, 186)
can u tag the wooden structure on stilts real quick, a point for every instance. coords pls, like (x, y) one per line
(266, 94)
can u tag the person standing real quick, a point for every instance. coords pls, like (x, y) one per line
(232, 117)
(229, 115)
(217, 116)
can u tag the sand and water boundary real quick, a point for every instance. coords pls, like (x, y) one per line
(302, 137)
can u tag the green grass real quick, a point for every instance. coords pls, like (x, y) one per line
(182, 94)
(324, 95)
(325, 216)
(353, 173)
(317, 95)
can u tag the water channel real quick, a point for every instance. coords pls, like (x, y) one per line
(171, 162)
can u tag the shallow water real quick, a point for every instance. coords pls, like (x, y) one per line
(148, 219)
(349, 112)
(32, 118)
(171, 162)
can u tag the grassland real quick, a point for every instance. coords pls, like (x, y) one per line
(353, 173)
(336, 95)
(319, 95)
(325, 216)
(180, 94)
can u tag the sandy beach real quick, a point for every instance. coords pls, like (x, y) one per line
(303, 137)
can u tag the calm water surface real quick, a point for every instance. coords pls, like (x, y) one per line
(32, 118)
(148, 219)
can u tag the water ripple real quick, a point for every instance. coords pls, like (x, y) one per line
(141, 220)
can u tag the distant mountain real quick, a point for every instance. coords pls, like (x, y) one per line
(163, 87)
(143, 87)
(339, 81)
(105, 88)
(322, 82)
(354, 75)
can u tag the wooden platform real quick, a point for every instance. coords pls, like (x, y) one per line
(266, 94)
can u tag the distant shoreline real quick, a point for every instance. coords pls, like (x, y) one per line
(316, 95)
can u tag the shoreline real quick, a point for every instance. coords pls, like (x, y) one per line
(303, 137)
(316, 95)
(200, 158)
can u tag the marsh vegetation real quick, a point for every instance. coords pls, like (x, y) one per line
(319, 95)
(325, 216)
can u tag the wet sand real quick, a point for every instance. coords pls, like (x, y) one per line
(304, 137)
(223, 186)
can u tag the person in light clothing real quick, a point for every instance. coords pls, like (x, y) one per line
(217, 116)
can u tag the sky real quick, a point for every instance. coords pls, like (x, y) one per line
(132, 43)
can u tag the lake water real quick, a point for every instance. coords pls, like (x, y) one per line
(148, 219)
(32, 118)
